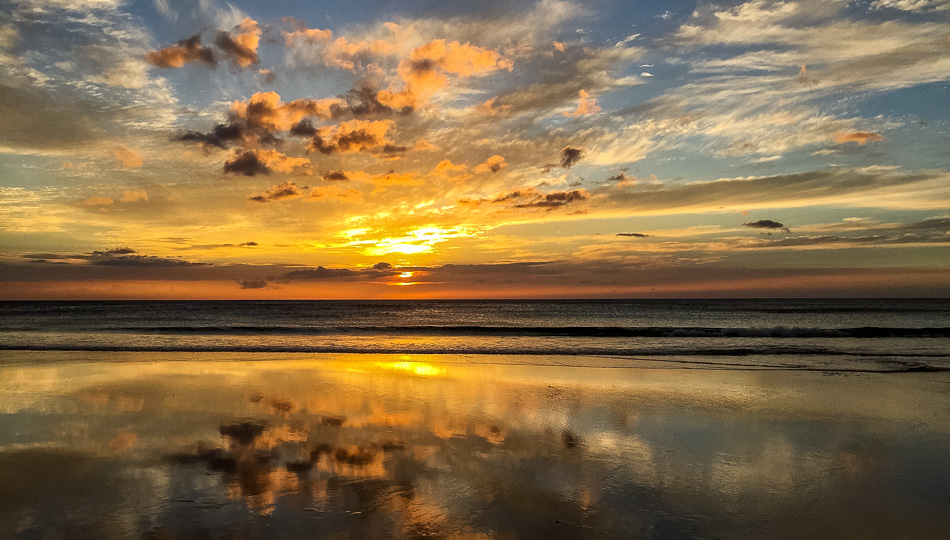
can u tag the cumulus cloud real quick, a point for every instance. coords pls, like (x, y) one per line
(351, 136)
(425, 71)
(240, 45)
(282, 191)
(253, 284)
(254, 162)
(266, 111)
(492, 165)
(447, 169)
(247, 164)
(335, 176)
(185, 51)
(533, 198)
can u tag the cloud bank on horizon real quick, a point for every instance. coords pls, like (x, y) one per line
(160, 149)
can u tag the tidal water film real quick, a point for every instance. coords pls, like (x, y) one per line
(699, 419)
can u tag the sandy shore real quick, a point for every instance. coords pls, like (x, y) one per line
(301, 445)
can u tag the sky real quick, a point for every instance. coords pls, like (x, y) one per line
(554, 149)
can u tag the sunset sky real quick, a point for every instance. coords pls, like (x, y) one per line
(431, 149)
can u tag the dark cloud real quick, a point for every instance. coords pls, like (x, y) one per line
(247, 164)
(253, 284)
(221, 136)
(143, 260)
(362, 102)
(116, 251)
(185, 51)
(392, 150)
(765, 224)
(303, 128)
(619, 177)
(335, 175)
(249, 243)
(353, 141)
(284, 190)
(634, 234)
(236, 53)
(556, 199)
(382, 266)
(320, 273)
(570, 156)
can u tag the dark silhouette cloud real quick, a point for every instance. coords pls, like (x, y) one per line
(253, 284)
(766, 224)
(634, 234)
(144, 260)
(303, 128)
(247, 164)
(284, 190)
(221, 136)
(382, 266)
(320, 273)
(570, 156)
(556, 199)
(249, 243)
(335, 175)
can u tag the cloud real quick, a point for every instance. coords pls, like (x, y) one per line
(253, 284)
(532, 198)
(424, 72)
(634, 235)
(254, 162)
(335, 176)
(221, 136)
(860, 137)
(585, 105)
(912, 5)
(351, 136)
(134, 195)
(265, 111)
(570, 156)
(335, 193)
(185, 51)
(446, 169)
(240, 46)
(128, 157)
(492, 165)
(284, 190)
(127, 257)
(320, 273)
(766, 224)
(247, 164)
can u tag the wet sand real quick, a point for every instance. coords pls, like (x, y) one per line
(171, 445)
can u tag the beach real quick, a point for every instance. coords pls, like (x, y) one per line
(113, 444)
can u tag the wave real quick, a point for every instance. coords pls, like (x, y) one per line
(515, 331)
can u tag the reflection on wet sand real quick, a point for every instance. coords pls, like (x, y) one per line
(132, 445)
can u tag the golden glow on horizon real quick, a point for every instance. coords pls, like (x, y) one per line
(416, 368)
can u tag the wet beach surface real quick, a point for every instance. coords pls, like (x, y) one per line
(173, 445)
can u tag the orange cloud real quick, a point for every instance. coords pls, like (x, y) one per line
(447, 169)
(492, 165)
(488, 108)
(128, 157)
(558, 45)
(585, 105)
(254, 162)
(240, 46)
(265, 110)
(183, 52)
(424, 72)
(351, 136)
(860, 137)
(131, 195)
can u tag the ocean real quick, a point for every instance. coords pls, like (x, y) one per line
(817, 334)
(475, 419)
